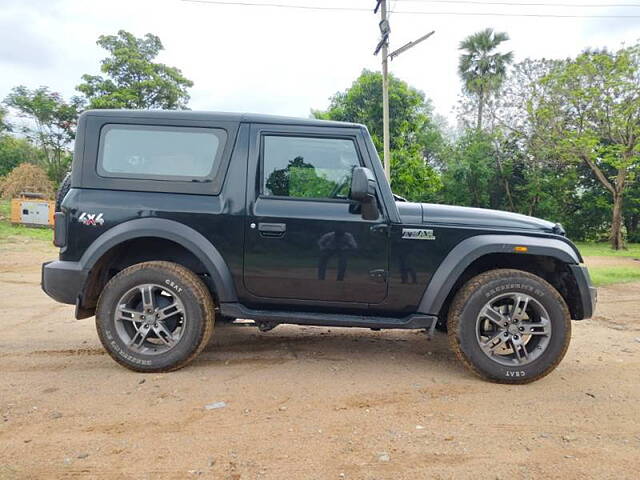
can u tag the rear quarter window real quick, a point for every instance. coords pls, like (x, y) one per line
(159, 152)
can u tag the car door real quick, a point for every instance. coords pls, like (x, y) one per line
(304, 239)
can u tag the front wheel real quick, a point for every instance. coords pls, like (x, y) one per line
(509, 326)
(155, 316)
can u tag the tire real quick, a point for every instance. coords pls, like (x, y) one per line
(500, 345)
(178, 328)
(64, 188)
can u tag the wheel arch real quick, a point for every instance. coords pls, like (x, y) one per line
(548, 258)
(175, 241)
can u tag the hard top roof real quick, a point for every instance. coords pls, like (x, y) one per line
(220, 116)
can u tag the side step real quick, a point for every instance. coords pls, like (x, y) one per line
(414, 321)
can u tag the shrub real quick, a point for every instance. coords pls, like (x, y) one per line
(26, 178)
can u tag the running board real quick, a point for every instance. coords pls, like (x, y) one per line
(415, 321)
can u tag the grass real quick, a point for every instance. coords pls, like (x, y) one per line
(7, 230)
(590, 249)
(608, 275)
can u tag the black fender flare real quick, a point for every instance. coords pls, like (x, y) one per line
(469, 250)
(185, 236)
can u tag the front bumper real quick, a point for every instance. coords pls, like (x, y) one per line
(588, 293)
(63, 281)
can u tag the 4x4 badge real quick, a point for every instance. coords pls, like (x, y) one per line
(418, 234)
(91, 219)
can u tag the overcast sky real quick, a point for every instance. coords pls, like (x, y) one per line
(285, 61)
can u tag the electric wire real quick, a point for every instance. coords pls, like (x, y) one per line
(406, 12)
(528, 4)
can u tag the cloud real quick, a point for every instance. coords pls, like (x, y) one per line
(21, 45)
(25, 33)
(600, 29)
(270, 60)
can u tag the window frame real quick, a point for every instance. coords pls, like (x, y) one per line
(220, 133)
(261, 182)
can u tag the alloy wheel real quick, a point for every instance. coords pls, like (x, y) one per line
(513, 329)
(150, 319)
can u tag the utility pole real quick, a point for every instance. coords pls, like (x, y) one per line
(383, 47)
(385, 94)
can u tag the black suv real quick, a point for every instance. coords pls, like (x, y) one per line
(175, 219)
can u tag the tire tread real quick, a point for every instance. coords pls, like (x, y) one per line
(199, 289)
(456, 312)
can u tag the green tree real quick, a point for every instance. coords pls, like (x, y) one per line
(589, 215)
(14, 151)
(132, 79)
(525, 170)
(412, 179)
(632, 212)
(590, 113)
(4, 125)
(54, 120)
(481, 68)
(469, 171)
(299, 179)
(415, 137)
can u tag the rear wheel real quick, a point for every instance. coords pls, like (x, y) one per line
(509, 326)
(155, 317)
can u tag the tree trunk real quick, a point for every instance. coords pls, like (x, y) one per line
(617, 238)
(533, 205)
(505, 181)
(480, 109)
(617, 191)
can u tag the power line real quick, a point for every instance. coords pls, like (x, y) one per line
(405, 12)
(391, 7)
(278, 5)
(502, 14)
(528, 4)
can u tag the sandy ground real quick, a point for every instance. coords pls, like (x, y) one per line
(307, 403)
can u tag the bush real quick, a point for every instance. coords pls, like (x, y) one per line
(14, 151)
(26, 178)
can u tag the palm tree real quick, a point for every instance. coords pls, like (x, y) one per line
(482, 69)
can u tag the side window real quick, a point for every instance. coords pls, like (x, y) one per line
(158, 152)
(307, 167)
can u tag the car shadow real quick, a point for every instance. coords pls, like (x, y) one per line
(232, 344)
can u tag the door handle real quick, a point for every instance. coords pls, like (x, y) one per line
(272, 229)
(379, 228)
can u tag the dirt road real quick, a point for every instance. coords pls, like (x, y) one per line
(307, 403)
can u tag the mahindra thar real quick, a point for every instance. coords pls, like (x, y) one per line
(171, 221)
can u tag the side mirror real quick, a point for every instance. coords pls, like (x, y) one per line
(363, 184)
(363, 190)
